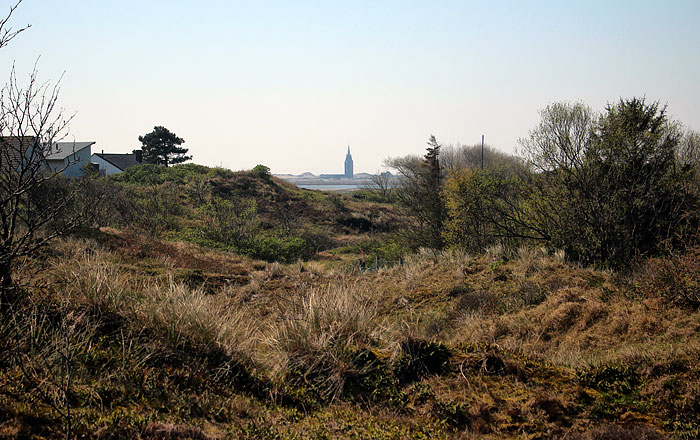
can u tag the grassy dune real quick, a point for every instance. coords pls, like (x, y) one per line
(120, 335)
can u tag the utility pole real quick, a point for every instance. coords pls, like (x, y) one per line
(482, 151)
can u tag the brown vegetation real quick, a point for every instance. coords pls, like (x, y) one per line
(444, 345)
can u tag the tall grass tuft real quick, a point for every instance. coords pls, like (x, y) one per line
(416, 265)
(91, 280)
(182, 316)
(190, 317)
(317, 340)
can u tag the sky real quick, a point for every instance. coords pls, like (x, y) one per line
(290, 84)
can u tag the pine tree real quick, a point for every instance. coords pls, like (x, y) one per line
(162, 147)
(431, 176)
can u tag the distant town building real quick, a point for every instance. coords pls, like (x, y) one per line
(348, 164)
(349, 174)
(113, 163)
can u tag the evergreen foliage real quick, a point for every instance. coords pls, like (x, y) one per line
(262, 172)
(162, 147)
(431, 177)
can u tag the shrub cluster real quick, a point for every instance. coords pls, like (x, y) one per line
(606, 188)
(213, 207)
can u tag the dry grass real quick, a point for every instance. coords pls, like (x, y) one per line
(95, 281)
(192, 316)
(141, 338)
(316, 335)
(534, 304)
(305, 326)
(585, 317)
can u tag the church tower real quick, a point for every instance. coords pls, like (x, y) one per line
(348, 164)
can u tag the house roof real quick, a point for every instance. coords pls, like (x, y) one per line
(121, 161)
(61, 150)
(13, 148)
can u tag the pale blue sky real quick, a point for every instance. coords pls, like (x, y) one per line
(290, 84)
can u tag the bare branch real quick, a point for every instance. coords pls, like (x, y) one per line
(36, 203)
(7, 34)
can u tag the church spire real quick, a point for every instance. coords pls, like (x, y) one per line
(348, 164)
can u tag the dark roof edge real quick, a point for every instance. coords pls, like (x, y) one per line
(100, 155)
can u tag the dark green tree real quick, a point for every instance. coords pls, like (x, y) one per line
(162, 147)
(419, 191)
(641, 190)
(431, 177)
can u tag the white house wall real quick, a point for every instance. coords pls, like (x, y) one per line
(105, 167)
(77, 161)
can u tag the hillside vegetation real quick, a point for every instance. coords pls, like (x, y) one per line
(250, 213)
(163, 326)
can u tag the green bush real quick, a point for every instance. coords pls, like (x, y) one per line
(374, 380)
(282, 249)
(262, 172)
(620, 386)
(158, 209)
(230, 222)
